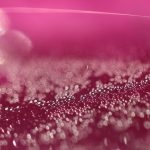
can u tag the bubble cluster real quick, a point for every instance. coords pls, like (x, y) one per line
(67, 103)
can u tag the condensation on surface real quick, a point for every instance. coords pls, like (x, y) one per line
(67, 103)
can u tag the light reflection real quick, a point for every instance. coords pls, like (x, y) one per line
(4, 23)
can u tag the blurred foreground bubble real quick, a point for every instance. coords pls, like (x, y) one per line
(14, 47)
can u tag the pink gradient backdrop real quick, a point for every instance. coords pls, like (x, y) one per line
(128, 6)
(84, 34)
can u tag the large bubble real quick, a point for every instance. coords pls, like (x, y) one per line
(15, 44)
(14, 47)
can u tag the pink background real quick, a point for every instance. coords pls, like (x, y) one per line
(84, 34)
(128, 6)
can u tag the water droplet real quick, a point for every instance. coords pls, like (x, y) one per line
(14, 143)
